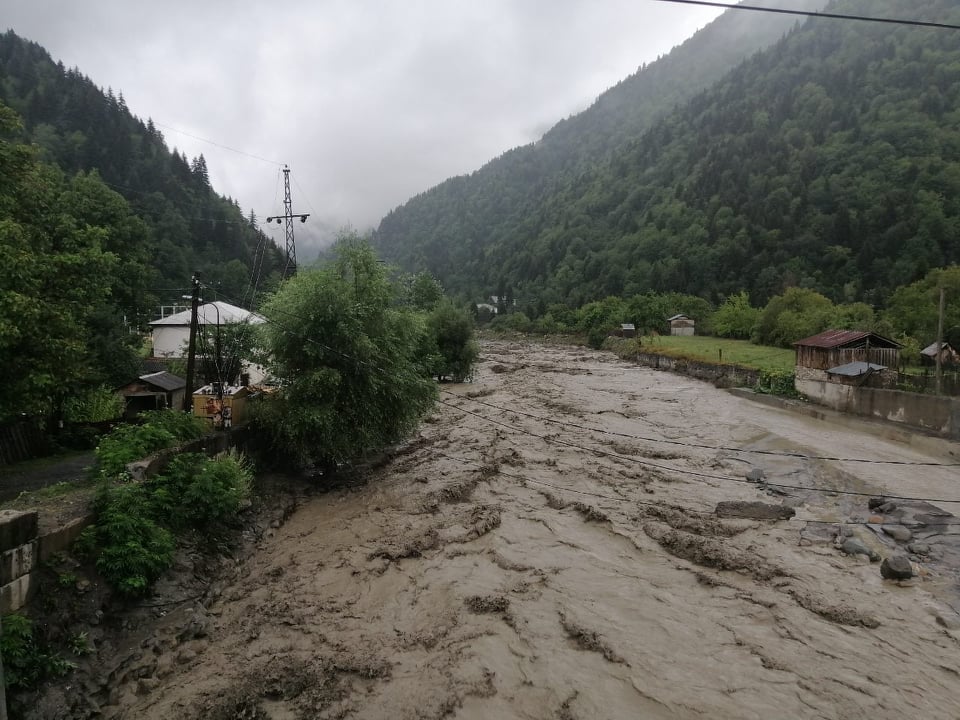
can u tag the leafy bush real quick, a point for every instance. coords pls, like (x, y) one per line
(98, 405)
(135, 550)
(777, 382)
(195, 489)
(451, 330)
(183, 426)
(129, 443)
(26, 662)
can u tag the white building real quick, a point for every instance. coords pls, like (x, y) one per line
(171, 334)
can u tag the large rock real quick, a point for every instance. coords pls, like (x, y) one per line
(898, 532)
(753, 510)
(853, 546)
(896, 567)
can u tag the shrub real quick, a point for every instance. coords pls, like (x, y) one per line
(451, 330)
(129, 443)
(777, 382)
(135, 550)
(26, 662)
(197, 490)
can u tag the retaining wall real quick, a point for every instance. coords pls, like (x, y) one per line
(932, 413)
(712, 372)
(22, 548)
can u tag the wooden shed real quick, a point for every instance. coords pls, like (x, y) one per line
(833, 348)
(681, 325)
(209, 403)
(153, 391)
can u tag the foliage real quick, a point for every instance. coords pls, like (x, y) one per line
(796, 314)
(346, 359)
(421, 291)
(451, 332)
(129, 443)
(777, 382)
(26, 661)
(829, 162)
(98, 405)
(135, 550)
(735, 318)
(913, 308)
(194, 490)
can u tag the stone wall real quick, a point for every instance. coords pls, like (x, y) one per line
(712, 372)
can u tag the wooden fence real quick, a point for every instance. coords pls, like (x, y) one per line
(21, 441)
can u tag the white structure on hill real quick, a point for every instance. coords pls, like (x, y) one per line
(171, 334)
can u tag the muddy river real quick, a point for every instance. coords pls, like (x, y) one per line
(547, 547)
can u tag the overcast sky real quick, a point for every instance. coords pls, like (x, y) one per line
(369, 101)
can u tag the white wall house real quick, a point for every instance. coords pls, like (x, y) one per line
(171, 334)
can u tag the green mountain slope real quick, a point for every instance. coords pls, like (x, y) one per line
(78, 128)
(829, 160)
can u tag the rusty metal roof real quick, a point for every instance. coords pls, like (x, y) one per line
(842, 338)
(164, 380)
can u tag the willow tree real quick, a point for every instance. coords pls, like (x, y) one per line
(347, 358)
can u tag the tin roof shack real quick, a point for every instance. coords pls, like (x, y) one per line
(681, 325)
(626, 330)
(820, 355)
(209, 404)
(948, 356)
(153, 391)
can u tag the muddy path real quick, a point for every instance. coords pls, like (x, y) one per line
(502, 566)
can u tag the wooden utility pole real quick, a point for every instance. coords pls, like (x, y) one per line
(191, 348)
(939, 381)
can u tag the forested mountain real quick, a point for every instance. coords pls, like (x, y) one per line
(830, 160)
(80, 128)
(99, 222)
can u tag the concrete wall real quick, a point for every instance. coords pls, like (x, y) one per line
(936, 414)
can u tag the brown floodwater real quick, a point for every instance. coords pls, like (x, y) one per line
(504, 566)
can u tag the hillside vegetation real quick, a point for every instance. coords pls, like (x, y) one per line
(828, 161)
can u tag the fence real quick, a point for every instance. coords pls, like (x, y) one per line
(927, 383)
(21, 441)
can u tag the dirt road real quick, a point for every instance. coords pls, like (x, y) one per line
(507, 567)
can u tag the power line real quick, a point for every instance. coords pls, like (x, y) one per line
(776, 453)
(548, 439)
(813, 13)
(219, 145)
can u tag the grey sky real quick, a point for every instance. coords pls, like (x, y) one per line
(369, 101)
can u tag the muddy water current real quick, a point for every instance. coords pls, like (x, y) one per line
(505, 566)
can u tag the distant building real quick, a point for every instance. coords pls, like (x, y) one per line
(681, 325)
(846, 357)
(948, 356)
(153, 391)
(627, 330)
(171, 334)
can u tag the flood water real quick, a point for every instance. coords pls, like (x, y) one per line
(507, 566)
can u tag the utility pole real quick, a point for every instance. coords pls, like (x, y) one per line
(191, 347)
(940, 342)
(290, 267)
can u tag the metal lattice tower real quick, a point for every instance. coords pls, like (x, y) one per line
(290, 267)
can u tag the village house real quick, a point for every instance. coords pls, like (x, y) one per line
(845, 357)
(171, 334)
(948, 356)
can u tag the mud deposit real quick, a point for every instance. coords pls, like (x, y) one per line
(510, 567)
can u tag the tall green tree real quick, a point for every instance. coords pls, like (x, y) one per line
(53, 271)
(347, 359)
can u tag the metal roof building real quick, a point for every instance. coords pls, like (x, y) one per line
(834, 348)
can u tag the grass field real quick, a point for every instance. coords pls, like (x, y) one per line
(711, 349)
